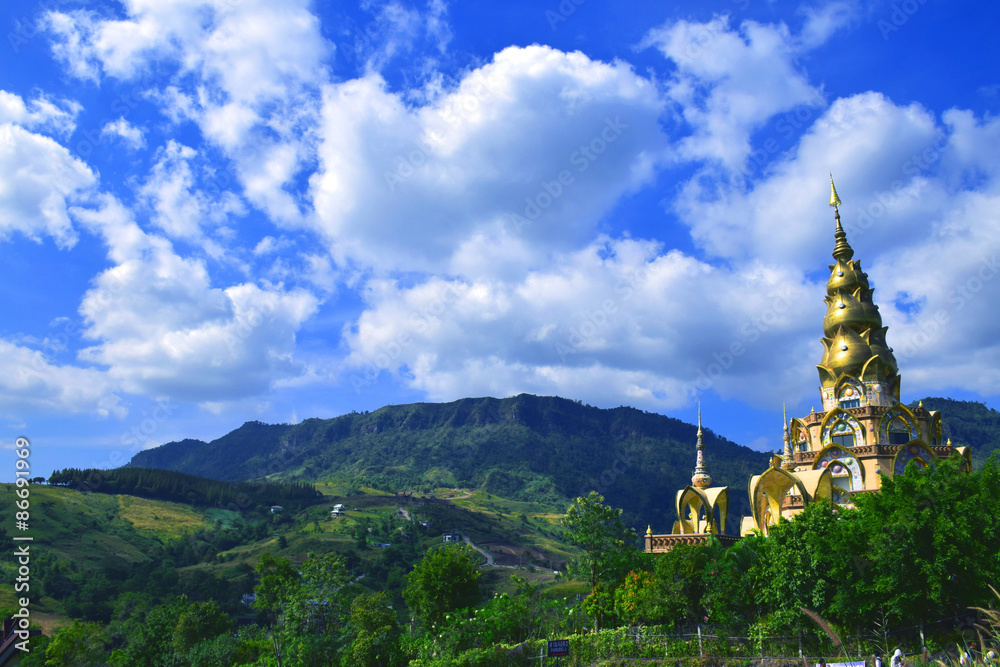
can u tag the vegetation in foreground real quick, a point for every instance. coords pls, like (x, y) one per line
(924, 550)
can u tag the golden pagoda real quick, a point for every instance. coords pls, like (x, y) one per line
(863, 432)
(701, 510)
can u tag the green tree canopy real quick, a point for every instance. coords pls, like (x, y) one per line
(608, 549)
(376, 633)
(446, 579)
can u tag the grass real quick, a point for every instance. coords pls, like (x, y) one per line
(167, 520)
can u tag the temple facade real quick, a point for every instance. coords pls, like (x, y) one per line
(702, 509)
(864, 432)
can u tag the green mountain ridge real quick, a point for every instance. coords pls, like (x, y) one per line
(526, 447)
(545, 449)
(968, 423)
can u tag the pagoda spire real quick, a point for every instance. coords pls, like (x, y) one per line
(842, 250)
(701, 478)
(787, 461)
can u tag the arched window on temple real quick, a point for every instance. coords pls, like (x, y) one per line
(849, 397)
(842, 435)
(899, 431)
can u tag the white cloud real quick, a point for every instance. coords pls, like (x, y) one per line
(438, 28)
(41, 113)
(247, 73)
(403, 188)
(920, 196)
(180, 208)
(37, 178)
(728, 83)
(615, 320)
(132, 136)
(163, 330)
(73, 45)
(870, 145)
(397, 29)
(824, 20)
(32, 383)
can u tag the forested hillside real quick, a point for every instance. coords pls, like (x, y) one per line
(968, 423)
(191, 489)
(526, 448)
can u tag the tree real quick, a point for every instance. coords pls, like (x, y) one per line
(446, 579)
(808, 562)
(309, 607)
(200, 621)
(81, 644)
(376, 633)
(733, 595)
(164, 634)
(635, 598)
(607, 542)
(934, 541)
(279, 587)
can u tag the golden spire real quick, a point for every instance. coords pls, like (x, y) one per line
(701, 478)
(649, 530)
(841, 250)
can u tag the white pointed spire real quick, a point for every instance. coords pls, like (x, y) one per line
(788, 460)
(701, 478)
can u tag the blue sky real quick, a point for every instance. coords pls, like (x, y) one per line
(213, 212)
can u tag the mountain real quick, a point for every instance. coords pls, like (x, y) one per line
(968, 423)
(543, 449)
(526, 447)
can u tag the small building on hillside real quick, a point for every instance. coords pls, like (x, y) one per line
(452, 537)
(275, 509)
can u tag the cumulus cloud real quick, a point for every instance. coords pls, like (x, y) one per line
(180, 208)
(920, 194)
(728, 83)
(31, 383)
(467, 208)
(873, 148)
(38, 177)
(129, 134)
(246, 73)
(533, 148)
(618, 319)
(920, 198)
(42, 113)
(163, 330)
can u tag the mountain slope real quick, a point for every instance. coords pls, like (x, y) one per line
(545, 449)
(968, 423)
(524, 447)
